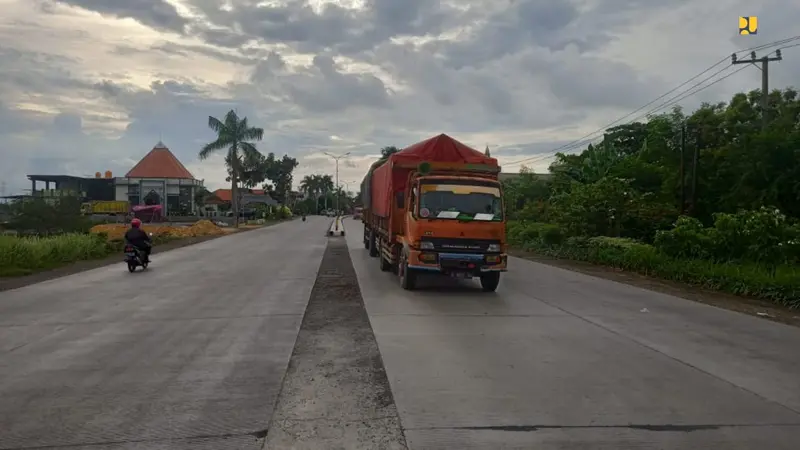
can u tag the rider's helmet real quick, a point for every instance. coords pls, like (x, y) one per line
(136, 223)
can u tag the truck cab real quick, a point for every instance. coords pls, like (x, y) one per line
(454, 225)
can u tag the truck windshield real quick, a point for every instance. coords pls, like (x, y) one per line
(460, 201)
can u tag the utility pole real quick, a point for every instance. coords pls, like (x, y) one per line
(337, 158)
(764, 79)
(695, 163)
(682, 169)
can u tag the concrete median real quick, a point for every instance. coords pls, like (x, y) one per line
(337, 227)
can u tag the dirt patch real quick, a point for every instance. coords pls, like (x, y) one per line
(7, 283)
(751, 306)
(336, 393)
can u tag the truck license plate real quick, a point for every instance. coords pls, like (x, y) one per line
(460, 275)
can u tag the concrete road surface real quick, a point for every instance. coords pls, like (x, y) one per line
(189, 354)
(559, 360)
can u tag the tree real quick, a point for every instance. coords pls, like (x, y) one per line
(388, 151)
(279, 173)
(629, 183)
(317, 185)
(234, 134)
(200, 197)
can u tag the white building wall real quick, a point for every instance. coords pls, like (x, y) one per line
(121, 192)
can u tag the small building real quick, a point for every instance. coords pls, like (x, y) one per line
(160, 179)
(101, 187)
(219, 202)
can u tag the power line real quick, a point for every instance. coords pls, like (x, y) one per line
(580, 141)
(671, 101)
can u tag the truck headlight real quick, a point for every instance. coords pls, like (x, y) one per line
(426, 245)
(494, 248)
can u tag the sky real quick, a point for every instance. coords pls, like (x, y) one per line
(93, 85)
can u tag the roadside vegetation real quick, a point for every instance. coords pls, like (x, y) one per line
(722, 213)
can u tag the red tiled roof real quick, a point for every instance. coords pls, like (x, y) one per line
(223, 194)
(159, 163)
(226, 196)
(213, 200)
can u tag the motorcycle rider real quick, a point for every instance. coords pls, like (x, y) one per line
(139, 239)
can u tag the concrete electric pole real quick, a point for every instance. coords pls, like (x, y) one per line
(765, 60)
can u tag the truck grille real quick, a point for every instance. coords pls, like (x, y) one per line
(455, 245)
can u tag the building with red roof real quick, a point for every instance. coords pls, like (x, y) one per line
(160, 179)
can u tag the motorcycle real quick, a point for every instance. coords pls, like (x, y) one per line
(134, 257)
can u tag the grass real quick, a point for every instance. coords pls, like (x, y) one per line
(26, 255)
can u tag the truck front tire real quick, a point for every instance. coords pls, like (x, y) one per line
(489, 281)
(408, 277)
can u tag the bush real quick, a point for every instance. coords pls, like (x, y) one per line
(20, 255)
(687, 240)
(764, 236)
(542, 234)
(777, 283)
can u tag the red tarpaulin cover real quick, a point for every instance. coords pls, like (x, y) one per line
(442, 149)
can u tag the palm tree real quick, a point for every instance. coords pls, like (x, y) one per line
(234, 135)
(317, 185)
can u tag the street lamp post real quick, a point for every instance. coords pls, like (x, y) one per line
(337, 158)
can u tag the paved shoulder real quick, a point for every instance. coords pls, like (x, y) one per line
(188, 354)
(560, 360)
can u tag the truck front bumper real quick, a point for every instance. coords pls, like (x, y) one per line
(471, 264)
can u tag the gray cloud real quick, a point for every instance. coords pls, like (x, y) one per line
(157, 14)
(521, 75)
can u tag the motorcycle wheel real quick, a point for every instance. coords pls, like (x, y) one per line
(131, 267)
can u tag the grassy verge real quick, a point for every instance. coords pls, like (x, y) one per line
(22, 256)
(780, 285)
(25, 255)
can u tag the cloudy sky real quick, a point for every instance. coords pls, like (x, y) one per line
(91, 85)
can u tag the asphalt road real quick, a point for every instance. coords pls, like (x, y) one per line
(560, 360)
(188, 354)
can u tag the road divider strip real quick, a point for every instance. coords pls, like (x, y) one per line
(337, 227)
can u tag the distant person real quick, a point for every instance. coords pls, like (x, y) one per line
(138, 238)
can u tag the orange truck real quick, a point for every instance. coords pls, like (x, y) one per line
(436, 207)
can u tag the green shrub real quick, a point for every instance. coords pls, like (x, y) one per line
(19, 255)
(522, 233)
(687, 240)
(764, 236)
(671, 259)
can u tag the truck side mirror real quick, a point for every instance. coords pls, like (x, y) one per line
(400, 199)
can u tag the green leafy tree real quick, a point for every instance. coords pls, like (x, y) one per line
(388, 151)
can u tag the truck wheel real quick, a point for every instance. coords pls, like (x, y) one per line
(489, 281)
(408, 278)
(386, 266)
(373, 245)
(366, 238)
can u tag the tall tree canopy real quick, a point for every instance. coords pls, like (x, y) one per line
(630, 183)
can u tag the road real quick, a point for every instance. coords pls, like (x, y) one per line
(189, 354)
(193, 353)
(560, 360)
